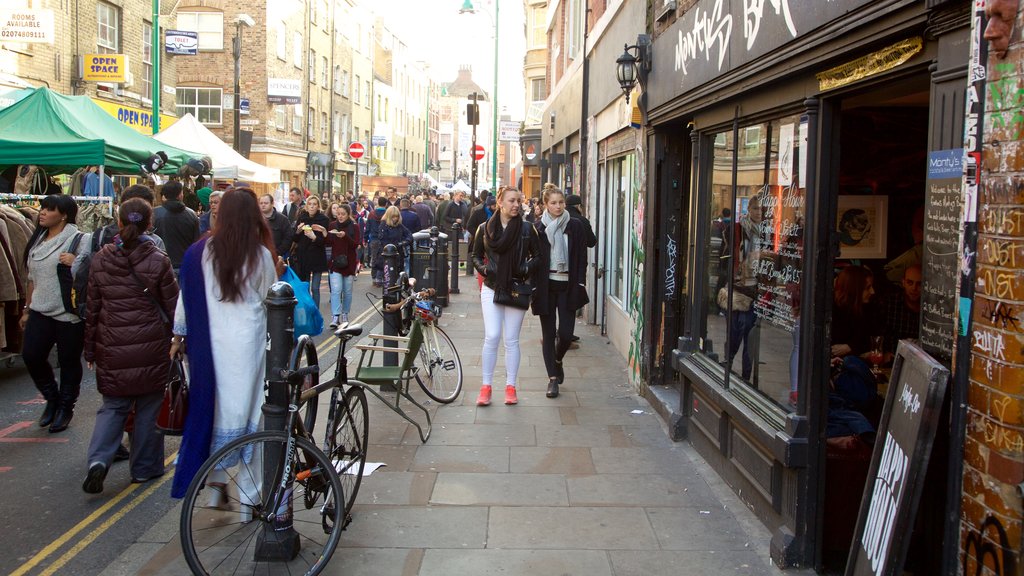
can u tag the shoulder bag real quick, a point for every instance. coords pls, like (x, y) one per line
(519, 292)
(174, 407)
(340, 261)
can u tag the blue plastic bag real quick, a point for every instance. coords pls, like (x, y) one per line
(308, 319)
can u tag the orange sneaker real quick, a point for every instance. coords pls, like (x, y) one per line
(510, 395)
(484, 399)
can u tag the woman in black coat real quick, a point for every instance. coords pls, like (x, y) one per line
(132, 296)
(558, 286)
(309, 259)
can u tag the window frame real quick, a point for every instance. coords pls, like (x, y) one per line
(147, 63)
(113, 25)
(282, 40)
(206, 32)
(194, 108)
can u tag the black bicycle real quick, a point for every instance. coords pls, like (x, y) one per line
(269, 502)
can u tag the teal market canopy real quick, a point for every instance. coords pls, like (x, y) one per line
(63, 133)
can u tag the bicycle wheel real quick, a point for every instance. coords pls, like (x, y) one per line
(229, 513)
(439, 367)
(347, 448)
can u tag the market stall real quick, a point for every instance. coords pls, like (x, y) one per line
(227, 163)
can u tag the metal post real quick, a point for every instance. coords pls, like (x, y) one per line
(236, 47)
(155, 53)
(393, 266)
(494, 107)
(472, 147)
(280, 542)
(453, 287)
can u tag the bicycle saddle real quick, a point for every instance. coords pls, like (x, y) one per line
(348, 331)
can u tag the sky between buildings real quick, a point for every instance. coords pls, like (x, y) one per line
(447, 40)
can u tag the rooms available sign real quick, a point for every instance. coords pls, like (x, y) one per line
(29, 26)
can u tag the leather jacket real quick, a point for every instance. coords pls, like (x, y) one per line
(485, 260)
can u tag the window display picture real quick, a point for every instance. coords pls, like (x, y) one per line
(861, 222)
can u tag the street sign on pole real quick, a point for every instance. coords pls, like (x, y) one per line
(478, 152)
(356, 150)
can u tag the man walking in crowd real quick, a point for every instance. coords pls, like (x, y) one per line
(480, 213)
(372, 230)
(392, 195)
(426, 215)
(294, 206)
(410, 219)
(280, 227)
(177, 225)
(455, 212)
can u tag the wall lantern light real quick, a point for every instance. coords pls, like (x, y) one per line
(634, 64)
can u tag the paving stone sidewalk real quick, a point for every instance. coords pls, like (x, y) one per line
(585, 484)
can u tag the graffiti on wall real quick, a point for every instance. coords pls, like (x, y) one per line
(639, 349)
(672, 257)
(1007, 100)
(989, 544)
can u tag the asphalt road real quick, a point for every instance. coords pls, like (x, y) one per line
(51, 525)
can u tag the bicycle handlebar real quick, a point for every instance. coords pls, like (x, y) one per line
(416, 296)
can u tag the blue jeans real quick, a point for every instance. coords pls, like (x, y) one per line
(742, 322)
(341, 293)
(314, 287)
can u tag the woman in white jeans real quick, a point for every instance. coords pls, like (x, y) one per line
(505, 250)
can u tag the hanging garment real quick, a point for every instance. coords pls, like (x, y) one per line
(93, 216)
(9, 278)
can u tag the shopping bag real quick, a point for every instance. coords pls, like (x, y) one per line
(308, 319)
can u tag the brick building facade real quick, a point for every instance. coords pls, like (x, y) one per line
(993, 476)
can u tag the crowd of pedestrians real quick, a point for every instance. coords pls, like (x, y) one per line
(165, 282)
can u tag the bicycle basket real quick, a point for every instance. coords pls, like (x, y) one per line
(426, 311)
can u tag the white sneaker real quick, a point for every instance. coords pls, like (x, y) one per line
(344, 318)
(334, 321)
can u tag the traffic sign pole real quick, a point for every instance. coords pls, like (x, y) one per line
(356, 151)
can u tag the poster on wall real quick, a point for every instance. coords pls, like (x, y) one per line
(786, 150)
(861, 222)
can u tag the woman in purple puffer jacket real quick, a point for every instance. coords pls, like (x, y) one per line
(132, 290)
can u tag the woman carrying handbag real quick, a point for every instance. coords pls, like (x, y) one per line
(132, 296)
(504, 252)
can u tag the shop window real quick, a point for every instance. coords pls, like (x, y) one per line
(203, 103)
(754, 259)
(619, 187)
(209, 26)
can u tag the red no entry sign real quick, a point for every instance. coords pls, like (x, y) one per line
(356, 150)
(478, 152)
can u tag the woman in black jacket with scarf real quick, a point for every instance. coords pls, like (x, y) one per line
(558, 287)
(309, 258)
(505, 251)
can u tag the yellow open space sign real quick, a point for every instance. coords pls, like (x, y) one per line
(104, 68)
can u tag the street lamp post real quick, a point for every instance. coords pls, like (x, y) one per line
(467, 8)
(236, 51)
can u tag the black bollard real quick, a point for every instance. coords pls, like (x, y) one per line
(439, 279)
(393, 267)
(278, 541)
(453, 238)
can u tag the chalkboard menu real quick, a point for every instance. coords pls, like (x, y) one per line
(898, 464)
(943, 202)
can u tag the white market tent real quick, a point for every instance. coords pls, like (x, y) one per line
(189, 133)
(461, 186)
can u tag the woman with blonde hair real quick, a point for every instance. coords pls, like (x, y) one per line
(391, 231)
(505, 251)
(560, 292)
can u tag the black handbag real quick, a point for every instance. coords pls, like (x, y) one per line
(517, 295)
(340, 261)
(519, 292)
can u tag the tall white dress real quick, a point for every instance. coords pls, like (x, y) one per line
(238, 334)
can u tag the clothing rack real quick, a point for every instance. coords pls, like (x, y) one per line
(109, 200)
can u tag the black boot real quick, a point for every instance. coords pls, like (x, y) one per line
(62, 419)
(48, 413)
(552, 388)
